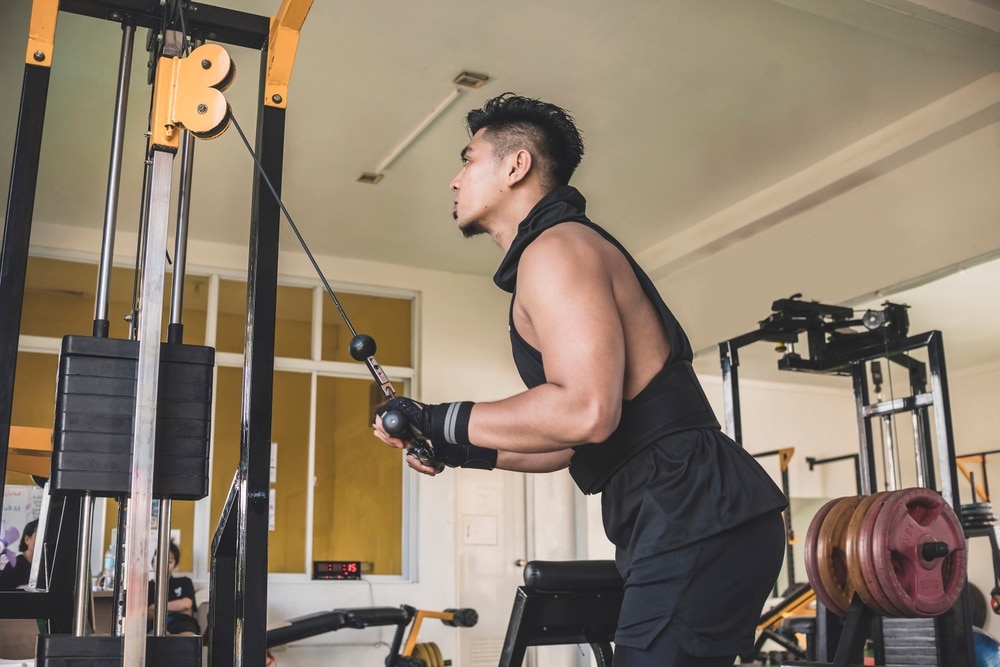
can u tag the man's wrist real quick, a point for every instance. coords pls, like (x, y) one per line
(450, 423)
(480, 458)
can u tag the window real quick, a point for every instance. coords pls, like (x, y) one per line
(337, 493)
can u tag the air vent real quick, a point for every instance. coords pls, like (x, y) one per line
(471, 80)
(369, 178)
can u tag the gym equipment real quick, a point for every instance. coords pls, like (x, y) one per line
(784, 458)
(987, 649)
(565, 602)
(186, 96)
(918, 552)
(861, 593)
(784, 621)
(907, 545)
(408, 654)
(831, 547)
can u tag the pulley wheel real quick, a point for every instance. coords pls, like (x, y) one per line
(812, 555)
(918, 547)
(859, 547)
(832, 553)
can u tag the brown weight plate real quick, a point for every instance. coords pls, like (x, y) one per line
(421, 653)
(883, 604)
(812, 557)
(437, 655)
(916, 585)
(830, 549)
(855, 577)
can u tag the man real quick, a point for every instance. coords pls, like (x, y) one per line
(611, 394)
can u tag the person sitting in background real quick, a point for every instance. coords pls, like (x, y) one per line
(16, 574)
(181, 606)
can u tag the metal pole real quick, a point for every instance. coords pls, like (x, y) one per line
(162, 571)
(114, 181)
(82, 588)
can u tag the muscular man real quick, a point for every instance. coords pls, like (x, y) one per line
(611, 394)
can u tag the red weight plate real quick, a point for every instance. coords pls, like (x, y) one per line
(919, 586)
(880, 602)
(812, 556)
(830, 547)
(852, 547)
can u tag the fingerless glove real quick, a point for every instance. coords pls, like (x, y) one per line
(447, 427)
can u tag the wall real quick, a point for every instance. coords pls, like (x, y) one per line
(463, 353)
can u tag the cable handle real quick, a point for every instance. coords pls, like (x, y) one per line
(362, 348)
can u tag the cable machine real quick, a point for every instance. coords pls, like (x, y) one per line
(839, 343)
(153, 386)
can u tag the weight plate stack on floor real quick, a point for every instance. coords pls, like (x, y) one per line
(978, 515)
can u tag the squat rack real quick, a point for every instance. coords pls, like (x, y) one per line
(836, 346)
(238, 575)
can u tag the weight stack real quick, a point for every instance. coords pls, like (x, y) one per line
(910, 642)
(108, 651)
(95, 405)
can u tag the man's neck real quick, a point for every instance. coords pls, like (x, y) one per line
(520, 204)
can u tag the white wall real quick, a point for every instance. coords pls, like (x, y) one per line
(463, 353)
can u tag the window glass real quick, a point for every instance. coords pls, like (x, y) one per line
(385, 319)
(60, 298)
(293, 320)
(358, 511)
(290, 433)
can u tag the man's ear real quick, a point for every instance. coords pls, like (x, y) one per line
(518, 166)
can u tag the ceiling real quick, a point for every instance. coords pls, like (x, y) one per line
(698, 117)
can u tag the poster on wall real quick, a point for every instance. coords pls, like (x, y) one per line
(21, 504)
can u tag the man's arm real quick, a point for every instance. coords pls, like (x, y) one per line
(565, 307)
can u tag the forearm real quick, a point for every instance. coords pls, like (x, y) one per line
(545, 462)
(545, 419)
(181, 605)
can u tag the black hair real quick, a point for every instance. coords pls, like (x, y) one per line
(175, 551)
(513, 121)
(29, 529)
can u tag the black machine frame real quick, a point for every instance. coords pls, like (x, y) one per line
(238, 575)
(836, 346)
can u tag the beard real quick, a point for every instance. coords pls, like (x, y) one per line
(471, 228)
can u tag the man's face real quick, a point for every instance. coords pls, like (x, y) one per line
(477, 186)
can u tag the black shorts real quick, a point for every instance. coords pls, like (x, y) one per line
(180, 623)
(710, 604)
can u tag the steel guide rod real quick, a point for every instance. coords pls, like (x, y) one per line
(114, 180)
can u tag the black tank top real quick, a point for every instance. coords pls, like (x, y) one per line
(566, 204)
(704, 483)
(673, 400)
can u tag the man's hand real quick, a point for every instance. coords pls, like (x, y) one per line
(447, 427)
(400, 443)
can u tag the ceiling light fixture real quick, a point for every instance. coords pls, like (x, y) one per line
(465, 79)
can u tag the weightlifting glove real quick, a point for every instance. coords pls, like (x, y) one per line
(447, 427)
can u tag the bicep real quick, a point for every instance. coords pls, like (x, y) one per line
(573, 315)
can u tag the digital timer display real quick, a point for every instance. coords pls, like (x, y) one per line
(336, 569)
